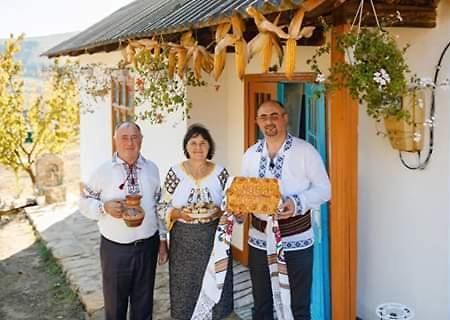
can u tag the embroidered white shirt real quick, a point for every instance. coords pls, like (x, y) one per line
(303, 178)
(181, 189)
(105, 184)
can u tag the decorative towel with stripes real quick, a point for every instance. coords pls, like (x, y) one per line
(216, 270)
(278, 271)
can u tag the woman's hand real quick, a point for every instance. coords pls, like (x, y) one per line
(179, 214)
(217, 214)
(163, 252)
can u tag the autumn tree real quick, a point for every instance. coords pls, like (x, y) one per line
(44, 123)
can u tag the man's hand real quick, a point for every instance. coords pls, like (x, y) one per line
(240, 216)
(286, 210)
(163, 253)
(114, 208)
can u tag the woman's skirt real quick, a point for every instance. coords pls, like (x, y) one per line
(190, 249)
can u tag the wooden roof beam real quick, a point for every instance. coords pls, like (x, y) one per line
(412, 15)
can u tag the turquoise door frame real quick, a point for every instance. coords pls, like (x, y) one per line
(315, 133)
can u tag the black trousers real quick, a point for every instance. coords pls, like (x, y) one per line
(128, 272)
(299, 265)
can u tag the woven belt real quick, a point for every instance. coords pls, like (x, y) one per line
(289, 226)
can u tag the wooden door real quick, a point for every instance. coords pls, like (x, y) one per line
(307, 121)
(258, 92)
(255, 94)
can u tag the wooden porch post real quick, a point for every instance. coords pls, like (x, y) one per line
(343, 168)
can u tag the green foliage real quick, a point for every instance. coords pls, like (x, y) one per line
(153, 85)
(375, 71)
(61, 291)
(44, 124)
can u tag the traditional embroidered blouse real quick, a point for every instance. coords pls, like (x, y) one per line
(303, 178)
(181, 189)
(114, 180)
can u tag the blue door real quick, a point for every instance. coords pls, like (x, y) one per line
(307, 120)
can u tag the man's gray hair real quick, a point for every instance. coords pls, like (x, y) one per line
(127, 124)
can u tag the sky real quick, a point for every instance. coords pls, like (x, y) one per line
(46, 17)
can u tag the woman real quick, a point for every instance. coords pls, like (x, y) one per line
(193, 192)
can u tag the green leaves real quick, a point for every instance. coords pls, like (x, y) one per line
(375, 71)
(163, 95)
(51, 118)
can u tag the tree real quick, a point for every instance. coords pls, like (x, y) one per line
(44, 123)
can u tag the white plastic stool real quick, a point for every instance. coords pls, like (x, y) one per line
(394, 311)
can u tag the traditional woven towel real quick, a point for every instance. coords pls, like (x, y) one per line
(278, 271)
(214, 276)
(216, 270)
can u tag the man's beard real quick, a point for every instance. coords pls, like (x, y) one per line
(270, 131)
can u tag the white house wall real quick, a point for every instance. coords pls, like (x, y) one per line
(403, 243)
(95, 126)
(210, 109)
(163, 143)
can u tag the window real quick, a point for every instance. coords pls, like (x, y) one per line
(122, 99)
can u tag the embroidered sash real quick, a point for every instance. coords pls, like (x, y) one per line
(214, 277)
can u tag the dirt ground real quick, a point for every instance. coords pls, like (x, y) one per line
(31, 283)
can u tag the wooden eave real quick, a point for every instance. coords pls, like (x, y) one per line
(415, 14)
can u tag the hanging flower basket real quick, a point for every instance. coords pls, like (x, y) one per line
(374, 72)
(406, 133)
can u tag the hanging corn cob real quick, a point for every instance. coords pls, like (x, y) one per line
(236, 39)
(266, 40)
(128, 54)
(207, 62)
(150, 45)
(240, 45)
(172, 59)
(220, 53)
(182, 60)
(202, 60)
(294, 34)
(186, 51)
(136, 51)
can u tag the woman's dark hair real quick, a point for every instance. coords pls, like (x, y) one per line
(196, 130)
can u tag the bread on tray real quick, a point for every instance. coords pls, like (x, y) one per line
(253, 195)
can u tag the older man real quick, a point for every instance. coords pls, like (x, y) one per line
(128, 254)
(304, 186)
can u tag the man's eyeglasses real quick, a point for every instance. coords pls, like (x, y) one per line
(273, 117)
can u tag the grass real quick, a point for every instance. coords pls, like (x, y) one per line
(60, 289)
